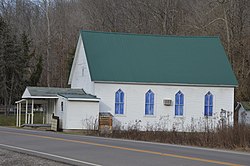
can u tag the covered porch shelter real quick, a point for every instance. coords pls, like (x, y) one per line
(43, 99)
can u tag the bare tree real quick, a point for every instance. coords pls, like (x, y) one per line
(54, 25)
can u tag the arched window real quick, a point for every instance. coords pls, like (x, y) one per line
(179, 103)
(149, 103)
(119, 102)
(208, 110)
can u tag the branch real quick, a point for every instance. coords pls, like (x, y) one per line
(194, 26)
(217, 19)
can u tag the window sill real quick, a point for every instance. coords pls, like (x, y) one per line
(120, 115)
(208, 117)
(179, 116)
(149, 116)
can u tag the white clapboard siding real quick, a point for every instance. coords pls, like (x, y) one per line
(164, 116)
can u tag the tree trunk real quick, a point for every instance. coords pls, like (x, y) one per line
(48, 44)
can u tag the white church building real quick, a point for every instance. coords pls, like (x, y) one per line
(153, 81)
(150, 82)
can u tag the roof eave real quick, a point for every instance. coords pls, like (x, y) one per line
(39, 97)
(170, 84)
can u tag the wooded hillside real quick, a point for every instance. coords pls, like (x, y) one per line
(38, 37)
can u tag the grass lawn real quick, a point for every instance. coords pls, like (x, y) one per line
(10, 120)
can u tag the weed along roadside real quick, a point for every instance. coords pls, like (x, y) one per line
(231, 138)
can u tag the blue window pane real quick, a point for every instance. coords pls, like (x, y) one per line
(181, 99)
(181, 110)
(146, 109)
(151, 109)
(179, 103)
(116, 108)
(121, 108)
(211, 100)
(147, 98)
(177, 99)
(206, 100)
(152, 98)
(116, 97)
(119, 102)
(208, 109)
(121, 97)
(176, 110)
(149, 103)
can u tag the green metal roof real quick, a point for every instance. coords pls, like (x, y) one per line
(53, 92)
(245, 105)
(120, 57)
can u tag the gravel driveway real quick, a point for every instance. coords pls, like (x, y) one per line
(10, 158)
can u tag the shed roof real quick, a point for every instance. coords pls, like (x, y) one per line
(79, 96)
(105, 114)
(121, 57)
(52, 92)
(246, 105)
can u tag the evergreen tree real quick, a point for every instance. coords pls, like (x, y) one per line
(15, 68)
(10, 73)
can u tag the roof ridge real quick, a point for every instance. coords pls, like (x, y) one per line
(154, 35)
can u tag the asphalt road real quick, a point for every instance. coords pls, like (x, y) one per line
(96, 151)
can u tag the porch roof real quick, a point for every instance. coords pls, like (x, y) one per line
(50, 92)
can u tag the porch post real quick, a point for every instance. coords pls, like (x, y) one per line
(43, 113)
(17, 115)
(20, 113)
(47, 111)
(54, 109)
(26, 112)
(32, 111)
(29, 118)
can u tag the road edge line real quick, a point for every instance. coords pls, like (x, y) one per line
(48, 154)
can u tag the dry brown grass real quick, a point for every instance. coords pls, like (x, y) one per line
(235, 138)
